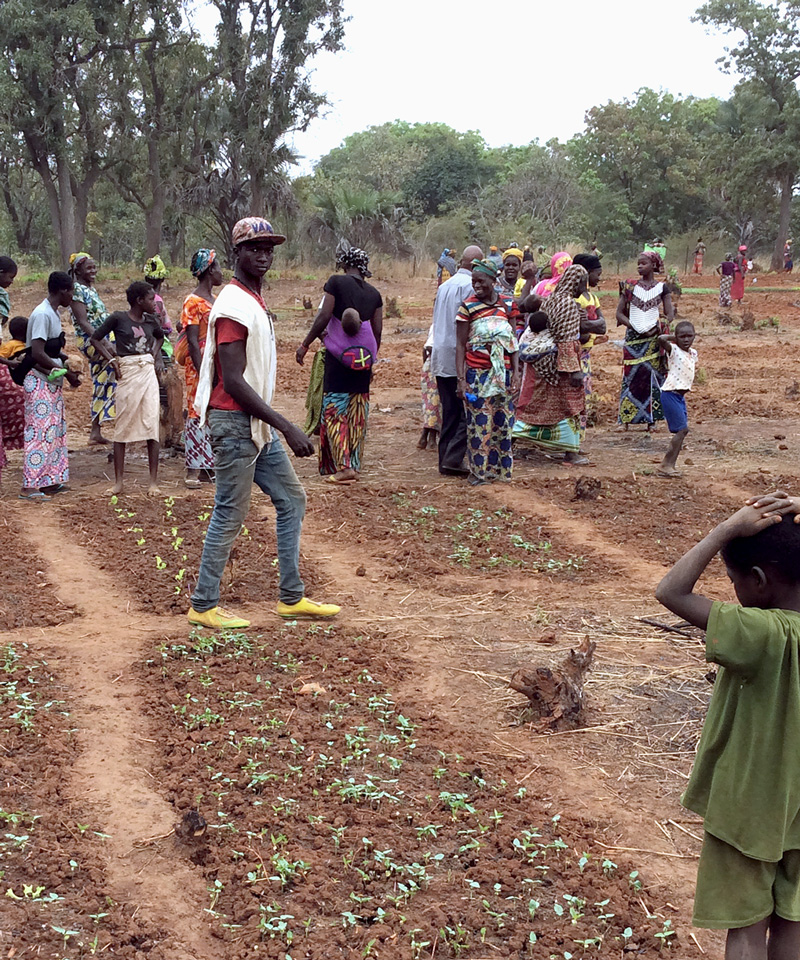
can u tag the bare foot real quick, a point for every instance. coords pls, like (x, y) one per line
(153, 490)
(621, 428)
(117, 489)
(669, 473)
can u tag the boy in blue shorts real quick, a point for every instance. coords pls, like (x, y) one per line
(746, 778)
(681, 361)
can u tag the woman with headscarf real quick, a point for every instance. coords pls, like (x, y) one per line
(88, 312)
(446, 266)
(510, 282)
(487, 366)
(349, 355)
(155, 273)
(643, 369)
(194, 317)
(558, 264)
(740, 269)
(552, 399)
(726, 271)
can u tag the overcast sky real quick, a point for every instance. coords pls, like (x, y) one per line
(511, 71)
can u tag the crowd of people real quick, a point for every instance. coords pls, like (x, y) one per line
(510, 354)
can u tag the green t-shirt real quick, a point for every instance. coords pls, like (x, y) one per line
(746, 777)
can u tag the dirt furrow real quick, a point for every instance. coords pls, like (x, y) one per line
(96, 653)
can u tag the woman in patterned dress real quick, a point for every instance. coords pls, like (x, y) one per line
(643, 371)
(88, 312)
(194, 318)
(487, 364)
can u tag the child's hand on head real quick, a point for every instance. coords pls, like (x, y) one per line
(778, 503)
(749, 521)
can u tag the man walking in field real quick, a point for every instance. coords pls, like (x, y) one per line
(234, 393)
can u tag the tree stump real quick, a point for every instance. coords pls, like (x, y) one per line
(556, 695)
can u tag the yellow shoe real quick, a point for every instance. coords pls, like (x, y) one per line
(306, 609)
(218, 619)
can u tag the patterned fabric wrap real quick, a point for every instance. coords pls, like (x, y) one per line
(655, 258)
(490, 421)
(489, 267)
(195, 313)
(642, 376)
(199, 455)
(725, 285)
(558, 264)
(314, 393)
(155, 269)
(541, 351)
(343, 429)
(46, 460)
(347, 256)
(104, 381)
(76, 259)
(563, 436)
(201, 261)
(12, 411)
(513, 252)
(431, 403)
(491, 338)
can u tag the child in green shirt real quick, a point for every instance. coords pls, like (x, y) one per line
(746, 777)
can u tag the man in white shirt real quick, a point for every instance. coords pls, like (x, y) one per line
(449, 297)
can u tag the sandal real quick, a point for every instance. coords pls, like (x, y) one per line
(340, 483)
(192, 483)
(37, 496)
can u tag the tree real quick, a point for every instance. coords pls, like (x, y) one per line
(650, 150)
(430, 165)
(362, 216)
(767, 55)
(264, 93)
(53, 88)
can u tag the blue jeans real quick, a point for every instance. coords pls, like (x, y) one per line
(238, 465)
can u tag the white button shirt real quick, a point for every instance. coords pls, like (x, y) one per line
(449, 297)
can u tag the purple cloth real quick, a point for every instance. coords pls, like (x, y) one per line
(728, 268)
(358, 352)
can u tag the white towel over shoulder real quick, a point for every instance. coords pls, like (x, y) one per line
(261, 365)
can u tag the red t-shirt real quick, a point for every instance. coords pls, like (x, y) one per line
(227, 331)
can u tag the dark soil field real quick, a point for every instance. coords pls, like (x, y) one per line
(374, 788)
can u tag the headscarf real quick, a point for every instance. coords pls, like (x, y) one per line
(654, 258)
(255, 228)
(729, 256)
(485, 266)
(447, 261)
(588, 260)
(201, 261)
(742, 249)
(347, 256)
(558, 264)
(75, 260)
(155, 269)
(513, 252)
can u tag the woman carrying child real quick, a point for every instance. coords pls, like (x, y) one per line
(556, 401)
(351, 348)
(88, 312)
(639, 312)
(138, 340)
(487, 367)
(194, 318)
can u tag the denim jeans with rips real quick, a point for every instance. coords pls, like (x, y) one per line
(238, 465)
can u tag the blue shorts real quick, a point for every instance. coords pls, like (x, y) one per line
(674, 406)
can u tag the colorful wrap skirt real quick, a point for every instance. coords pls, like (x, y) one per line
(642, 376)
(342, 431)
(46, 460)
(490, 421)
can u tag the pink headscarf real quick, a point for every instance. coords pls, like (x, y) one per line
(558, 264)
